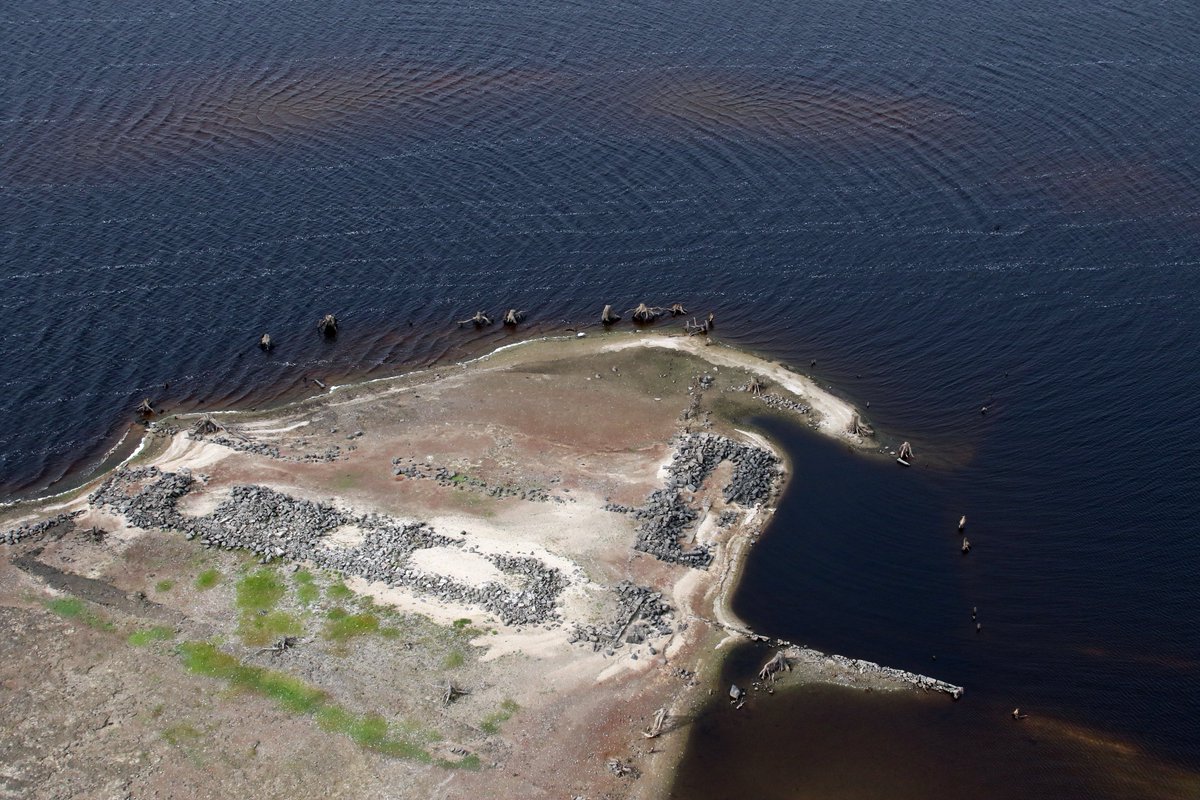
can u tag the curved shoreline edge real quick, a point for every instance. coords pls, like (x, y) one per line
(701, 597)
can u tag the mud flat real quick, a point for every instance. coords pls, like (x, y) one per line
(482, 579)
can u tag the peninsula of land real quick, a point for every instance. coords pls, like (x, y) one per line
(504, 578)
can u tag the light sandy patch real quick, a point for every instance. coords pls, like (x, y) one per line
(258, 428)
(198, 503)
(835, 414)
(194, 454)
(345, 537)
(758, 440)
(534, 643)
(442, 612)
(459, 565)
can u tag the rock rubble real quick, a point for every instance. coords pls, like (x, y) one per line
(668, 512)
(272, 525)
(411, 468)
(61, 524)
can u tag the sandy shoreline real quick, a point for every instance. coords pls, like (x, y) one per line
(525, 464)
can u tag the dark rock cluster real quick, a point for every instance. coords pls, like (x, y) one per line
(783, 403)
(641, 614)
(60, 524)
(664, 518)
(244, 445)
(668, 512)
(271, 524)
(411, 468)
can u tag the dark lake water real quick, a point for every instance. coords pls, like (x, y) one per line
(944, 203)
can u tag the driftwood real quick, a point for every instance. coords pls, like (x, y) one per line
(905, 450)
(860, 428)
(966, 546)
(450, 693)
(677, 310)
(479, 320)
(608, 316)
(645, 313)
(512, 316)
(206, 426)
(145, 407)
(265, 342)
(284, 643)
(695, 327)
(94, 535)
(755, 386)
(328, 325)
(778, 663)
(630, 620)
(656, 727)
(962, 523)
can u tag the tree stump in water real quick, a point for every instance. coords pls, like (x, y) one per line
(328, 325)
(677, 310)
(145, 408)
(265, 342)
(512, 316)
(645, 313)
(860, 428)
(479, 320)
(608, 316)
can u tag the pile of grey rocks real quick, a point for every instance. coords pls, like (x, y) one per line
(642, 614)
(245, 445)
(783, 403)
(60, 524)
(272, 525)
(668, 512)
(444, 476)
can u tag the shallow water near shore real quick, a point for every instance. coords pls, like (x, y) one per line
(945, 204)
(862, 558)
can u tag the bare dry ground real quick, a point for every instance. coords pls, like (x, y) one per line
(139, 663)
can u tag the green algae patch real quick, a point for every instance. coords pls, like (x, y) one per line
(347, 626)
(261, 629)
(307, 591)
(370, 731)
(260, 591)
(208, 579)
(146, 636)
(74, 608)
(491, 723)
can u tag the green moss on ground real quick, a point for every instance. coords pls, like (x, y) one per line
(208, 579)
(261, 590)
(491, 723)
(370, 731)
(74, 608)
(145, 636)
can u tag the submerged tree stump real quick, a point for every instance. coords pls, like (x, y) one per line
(608, 316)
(328, 325)
(858, 427)
(145, 408)
(479, 320)
(265, 342)
(645, 313)
(677, 310)
(206, 426)
(512, 317)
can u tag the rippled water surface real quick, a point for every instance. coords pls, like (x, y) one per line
(944, 203)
